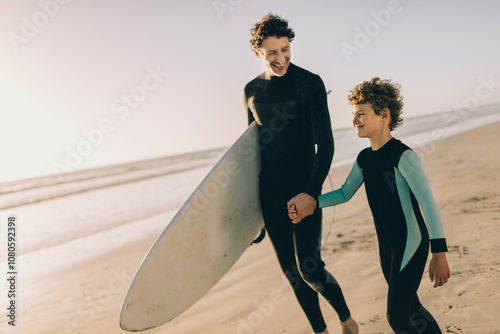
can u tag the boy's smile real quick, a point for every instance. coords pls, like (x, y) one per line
(366, 121)
(371, 125)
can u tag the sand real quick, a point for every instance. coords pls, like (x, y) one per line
(78, 286)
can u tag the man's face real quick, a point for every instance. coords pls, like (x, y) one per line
(275, 53)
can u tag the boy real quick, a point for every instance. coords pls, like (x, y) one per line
(396, 186)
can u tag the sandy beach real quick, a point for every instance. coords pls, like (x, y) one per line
(77, 286)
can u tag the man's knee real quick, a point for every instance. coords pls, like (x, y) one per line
(293, 276)
(313, 274)
(314, 282)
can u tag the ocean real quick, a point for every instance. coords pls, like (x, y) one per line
(80, 203)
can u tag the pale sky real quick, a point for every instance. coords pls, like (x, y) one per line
(159, 78)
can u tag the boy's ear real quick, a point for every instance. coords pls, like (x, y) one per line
(386, 113)
(256, 53)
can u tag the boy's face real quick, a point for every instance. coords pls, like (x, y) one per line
(367, 122)
(275, 53)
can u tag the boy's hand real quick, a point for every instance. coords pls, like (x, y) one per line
(300, 207)
(439, 272)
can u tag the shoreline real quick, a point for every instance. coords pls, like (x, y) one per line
(447, 118)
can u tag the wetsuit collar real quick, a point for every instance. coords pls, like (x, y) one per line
(291, 67)
(386, 146)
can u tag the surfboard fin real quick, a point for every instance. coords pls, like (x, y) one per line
(261, 237)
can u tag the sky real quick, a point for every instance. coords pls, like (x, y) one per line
(93, 83)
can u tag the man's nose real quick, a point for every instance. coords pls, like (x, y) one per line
(281, 58)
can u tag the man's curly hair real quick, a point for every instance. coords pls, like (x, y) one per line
(381, 94)
(269, 25)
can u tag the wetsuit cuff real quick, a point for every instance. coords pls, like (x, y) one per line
(438, 245)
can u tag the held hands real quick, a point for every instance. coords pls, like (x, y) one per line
(439, 272)
(300, 207)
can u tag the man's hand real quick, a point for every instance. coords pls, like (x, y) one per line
(439, 272)
(300, 207)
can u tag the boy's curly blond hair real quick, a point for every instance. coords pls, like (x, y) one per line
(380, 94)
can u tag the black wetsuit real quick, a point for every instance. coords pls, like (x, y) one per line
(397, 187)
(292, 115)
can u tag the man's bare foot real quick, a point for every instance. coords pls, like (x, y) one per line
(350, 326)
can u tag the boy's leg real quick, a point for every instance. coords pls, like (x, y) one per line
(404, 311)
(423, 320)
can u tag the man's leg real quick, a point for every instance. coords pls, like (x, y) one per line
(307, 237)
(279, 229)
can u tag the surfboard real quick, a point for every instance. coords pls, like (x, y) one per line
(202, 242)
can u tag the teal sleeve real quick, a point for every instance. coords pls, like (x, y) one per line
(411, 168)
(344, 193)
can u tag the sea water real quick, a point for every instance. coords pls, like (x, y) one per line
(119, 199)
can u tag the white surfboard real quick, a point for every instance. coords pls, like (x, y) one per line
(202, 242)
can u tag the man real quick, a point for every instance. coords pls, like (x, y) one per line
(290, 107)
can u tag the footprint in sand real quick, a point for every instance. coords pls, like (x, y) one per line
(455, 329)
(462, 250)
(375, 319)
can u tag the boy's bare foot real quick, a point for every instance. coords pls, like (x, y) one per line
(325, 332)
(350, 326)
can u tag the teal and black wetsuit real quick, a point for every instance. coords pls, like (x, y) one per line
(292, 116)
(397, 187)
